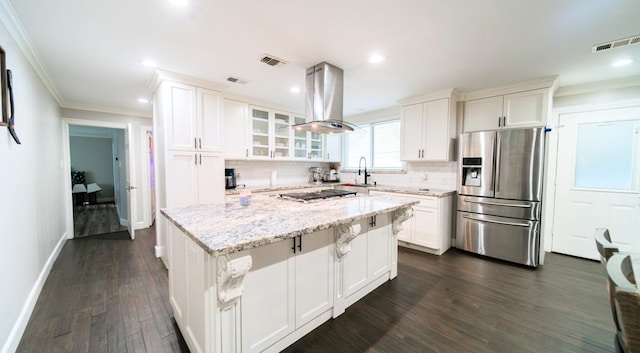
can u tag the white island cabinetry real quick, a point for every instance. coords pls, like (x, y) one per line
(258, 278)
(430, 228)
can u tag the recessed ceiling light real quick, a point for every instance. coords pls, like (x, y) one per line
(181, 3)
(376, 58)
(295, 89)
(149, 63)
(143, 100)
(622, 62)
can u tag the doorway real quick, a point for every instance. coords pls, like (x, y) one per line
(597, 180)
(97, 173)
(124, 193)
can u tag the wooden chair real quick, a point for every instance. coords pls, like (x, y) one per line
(604, 244)
(621, 278)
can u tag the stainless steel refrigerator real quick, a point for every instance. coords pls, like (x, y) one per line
(500, 194)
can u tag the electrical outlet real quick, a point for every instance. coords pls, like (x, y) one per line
(237, 175)
(425, 177)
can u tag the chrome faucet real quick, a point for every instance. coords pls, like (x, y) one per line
(366, 175)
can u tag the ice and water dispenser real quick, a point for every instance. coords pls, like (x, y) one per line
(472, 171)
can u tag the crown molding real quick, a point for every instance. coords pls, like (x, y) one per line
(591, 87)
(109, 110)
(550, 82)
(10, 19)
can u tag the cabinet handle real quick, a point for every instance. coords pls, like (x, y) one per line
(195, 159)
(504, 121)
(247, 151)
(499, 121)
(199, 143)
(373, 221)
(328, 155)
(195, 142)
(418, 153)
(300, 243)
(200, 158)
(294, 245)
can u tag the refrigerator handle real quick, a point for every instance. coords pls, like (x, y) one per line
(498, 204)
(497, 167)
(498, 222)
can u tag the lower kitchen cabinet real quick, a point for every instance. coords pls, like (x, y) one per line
(284, 291)
(369, 255)
(430, 228)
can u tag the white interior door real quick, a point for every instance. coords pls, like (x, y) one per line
(597, 180)
(131, 188)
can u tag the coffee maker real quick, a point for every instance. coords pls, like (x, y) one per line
(229, 178)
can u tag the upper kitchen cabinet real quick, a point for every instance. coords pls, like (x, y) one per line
(235, 129)
(307, 145)
(334, 148)
(191, 117)
(516, 106)
(428, 127)
(271, 134)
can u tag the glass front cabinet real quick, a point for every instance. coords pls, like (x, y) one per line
(272, 137)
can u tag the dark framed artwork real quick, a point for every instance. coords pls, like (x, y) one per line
(3, 85)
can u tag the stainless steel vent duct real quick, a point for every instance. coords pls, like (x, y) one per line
(323, 101)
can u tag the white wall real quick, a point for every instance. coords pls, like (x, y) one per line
(94, 156)
(31, 195)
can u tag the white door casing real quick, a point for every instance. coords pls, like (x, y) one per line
(131, 187)
(585, 199)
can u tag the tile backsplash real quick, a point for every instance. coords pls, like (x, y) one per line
(254, 174)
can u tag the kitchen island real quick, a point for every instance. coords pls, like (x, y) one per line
(258, 278)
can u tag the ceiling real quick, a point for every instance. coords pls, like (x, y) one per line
(91, 50)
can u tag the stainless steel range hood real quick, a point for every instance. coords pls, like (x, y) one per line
(323, 106)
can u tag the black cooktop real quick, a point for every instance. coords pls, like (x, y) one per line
(317, 195)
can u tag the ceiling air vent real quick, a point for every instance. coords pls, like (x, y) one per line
(615, 44)
(237, 80)
(272, 60)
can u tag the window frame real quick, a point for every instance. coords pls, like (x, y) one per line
(370, 168)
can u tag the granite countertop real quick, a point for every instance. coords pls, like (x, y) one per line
(226, 228)
(414, 190)
(422, 191)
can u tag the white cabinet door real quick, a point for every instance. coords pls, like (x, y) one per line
(177, 269)
(180, 114)
(378, 243)
(210, 178)
(281, 135)
(526, 109)
(182, 178)
(355, 263)
(517, 110)
(314, 275)
(412, 132)
(268, 301)
(235, 129)
(436, 134)
(334, 148)
(483, 114)
(209, 120)
(425, 231)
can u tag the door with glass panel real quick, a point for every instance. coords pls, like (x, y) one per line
(597, 180)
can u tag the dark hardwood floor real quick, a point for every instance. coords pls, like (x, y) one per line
(95, 219)
(110, 295)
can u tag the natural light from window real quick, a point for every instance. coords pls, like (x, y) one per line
(378, 142)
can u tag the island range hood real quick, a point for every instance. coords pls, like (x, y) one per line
(323, 101)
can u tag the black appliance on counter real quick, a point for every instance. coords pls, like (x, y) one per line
(229, 178)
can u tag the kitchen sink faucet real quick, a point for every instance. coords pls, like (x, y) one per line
(366, 175)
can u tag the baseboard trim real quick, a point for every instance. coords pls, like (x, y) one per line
(124, 222)
(159, 251)
(12, 342)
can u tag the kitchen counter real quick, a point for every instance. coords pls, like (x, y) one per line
(266, 274)
(414, 190)
(230, 227)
